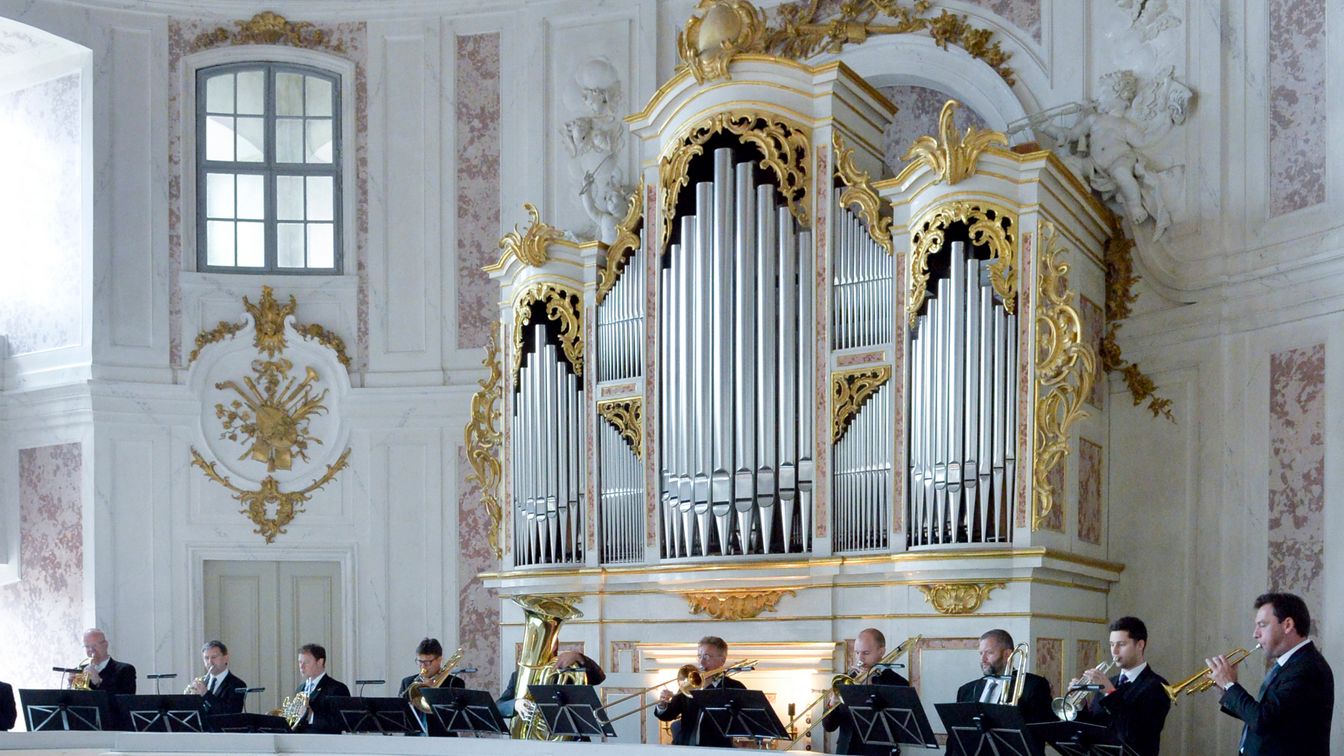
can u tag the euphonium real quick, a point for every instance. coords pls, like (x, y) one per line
(1068, 706)
(413, 692)
(1199, 681)
(541, 644)
(81, 679)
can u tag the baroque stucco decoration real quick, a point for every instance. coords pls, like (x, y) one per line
(594, 140)
(735, 605)
(957, 598)
(270, 411)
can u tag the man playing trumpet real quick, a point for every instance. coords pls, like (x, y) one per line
(1132, 704)
(220, 690)
(869, 647)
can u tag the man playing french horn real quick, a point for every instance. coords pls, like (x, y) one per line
(1132, 704)
(869, 648)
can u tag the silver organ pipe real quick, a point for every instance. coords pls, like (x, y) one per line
(620, 323)
(963, 365)
(622, 498)
(862, 284)
(736, 391)
(548, 439)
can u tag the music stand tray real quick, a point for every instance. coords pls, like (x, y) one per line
(250, 723)
(163, 713)
(382, 716)
(738, 713)
(464, 711)
(987, 728)
(572, 710)
(63, 710)
(1080, 739)
(888, 715)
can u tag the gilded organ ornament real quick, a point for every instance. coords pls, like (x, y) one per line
(986, 224)
(528, 246)
(859, 193)
(735, 605)
(1120, 281)
(849, 390)
(482, 439)
(627, 417)
(1065, 370)
(953, 156)
(957, 598)
(725, 29)
(561, 304)
(626, 244)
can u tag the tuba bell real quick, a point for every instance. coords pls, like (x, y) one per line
(541, 645)
(413, 692)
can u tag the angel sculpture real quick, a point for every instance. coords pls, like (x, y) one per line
(1111, 145)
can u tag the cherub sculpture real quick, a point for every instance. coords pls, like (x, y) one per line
(594, 139)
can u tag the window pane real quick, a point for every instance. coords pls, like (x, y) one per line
(289, 94)
(319, 140)
(251, 197)
(219, 93)
(219, 243)
(319, 96)
(290, 245)
(219, 138)
(251, 92)
(219, 195)
(251, 245)
(319, 198)
(289, 140)
(320, 245)
(289, 197)
(251, 140)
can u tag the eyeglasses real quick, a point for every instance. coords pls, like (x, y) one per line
(427, 662)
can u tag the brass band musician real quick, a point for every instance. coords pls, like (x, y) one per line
(319, 687)
(996, 646)
(564, 660)
(102, 672)
(711, 654)
(219, 688)
(429, 657)
(1132, 704)
(869, 647)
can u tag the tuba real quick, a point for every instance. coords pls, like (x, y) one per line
(541, 644)
(81, 679)
(413, 692)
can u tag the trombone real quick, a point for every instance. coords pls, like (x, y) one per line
(689, 679)
(1067, 707)
(1016, 672)
(1200, 681)
(853, 677)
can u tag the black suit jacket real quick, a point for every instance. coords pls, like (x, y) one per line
(505, 702)
(1034, 703)
(226, 699)
(688, 709)
(117, 677)
(432, 725)
(9, 713)
(1135, 712)
(847, 741)
(325, 720)
(1293, 714)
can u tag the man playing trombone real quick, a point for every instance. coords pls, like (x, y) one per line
(996, 648)
(1132, 704)
(869, 648)
(1297, 697)
(711, 655)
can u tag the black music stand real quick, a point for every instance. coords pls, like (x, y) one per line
(1080, 739)
(250, 723)
(383, 716)
(167, 713)
(58, 710)
(974, 728)
(738, 713)
(464, 711)
(572, 710)
(888, 715)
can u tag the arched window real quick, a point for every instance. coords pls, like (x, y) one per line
(268, 169)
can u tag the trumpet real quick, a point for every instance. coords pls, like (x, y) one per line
(1067, 707)
(853, 677)
(81, 679)
(689, 679)
(1200, 681)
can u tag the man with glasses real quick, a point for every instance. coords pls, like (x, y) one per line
(429, 657)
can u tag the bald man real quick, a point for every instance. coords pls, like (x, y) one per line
(104, 672)
(869, 647)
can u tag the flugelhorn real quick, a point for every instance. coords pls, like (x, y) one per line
(1068, 706)
(1200, 681)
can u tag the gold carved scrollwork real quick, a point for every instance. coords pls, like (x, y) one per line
(268, 28)
(564, 306)
(528, 246)
(735, 605)
(314, 332)
(220, 332)
(269, 316)
(627, 417)
(988, 225)
(482, 439)
(860, 192)
(711, 40)
(1065, 370)
(849, 390)
(625, 245)
(256, 503)
(953, 156)
(1120, 281)
(785, 149)
(957, 598)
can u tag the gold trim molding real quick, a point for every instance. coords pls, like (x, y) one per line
(255, 503)
(1065, 370)
(859, 192)
(269, 28)
(220, 332)
(953, 156)
(528, 246)
(269, 315)
(1120, 282)
(849, 390)
(563, 305)
(627, 417)
(987, 224)
(710, 41)
(482, 438)
(735, 605)
(957, 598)
(785, 147)
(625, 244)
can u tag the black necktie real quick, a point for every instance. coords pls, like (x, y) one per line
(214, 685)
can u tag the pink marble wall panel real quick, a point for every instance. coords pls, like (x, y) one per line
(1297, 474)
(41, 615)
(478, 117)
(478, 606)
(1088, 655)
(1024, 14)
(1049, 662)
(898, 459)
(652, 401)
(917, 115)
(190, 35)
(1094, 331)
(1089, 492)
(822, 386)
(1298, 110)
(42, 298)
